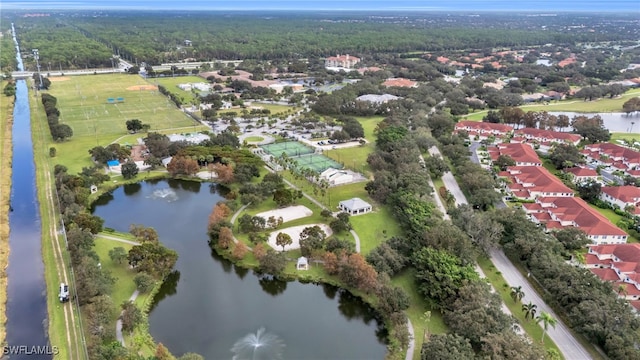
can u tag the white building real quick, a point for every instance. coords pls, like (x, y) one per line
(355, 206)
(336, 177)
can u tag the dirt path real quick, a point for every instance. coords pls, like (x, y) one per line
(73, 338)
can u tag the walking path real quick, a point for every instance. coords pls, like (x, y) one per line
(355, 236)
(119, 335)
(412, 342)
(101, 235)
(561, 336)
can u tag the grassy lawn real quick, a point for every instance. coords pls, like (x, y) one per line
(374, 228)
(253, 138)
(276, 109)
(171, 84)
(577, 105)
(530, 327)
(354, 158)
(83, 106)
(6, 153)
(52, 265)
(124, 276)
(631, 137)
(417, 309)
(476, 116)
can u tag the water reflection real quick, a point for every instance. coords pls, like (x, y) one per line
(131, 189)
(168, 288)
(271, 285)
(191, 186)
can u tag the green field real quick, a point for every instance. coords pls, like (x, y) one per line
(374, 228)
(355, 158)
(577, 105)
(82, 101)
(171, 84)
(253, 139)
(83, 106)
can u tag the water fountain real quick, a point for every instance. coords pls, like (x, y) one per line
(259, 346)
(168, 194)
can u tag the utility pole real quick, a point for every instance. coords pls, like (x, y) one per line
(37, 57)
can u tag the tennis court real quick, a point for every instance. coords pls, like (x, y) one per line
(291, 148)
(316, 162)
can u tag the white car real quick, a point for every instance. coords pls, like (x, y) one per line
(64, 292)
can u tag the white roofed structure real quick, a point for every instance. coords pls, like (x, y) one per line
(355, 206)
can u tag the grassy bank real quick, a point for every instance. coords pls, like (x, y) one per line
(65, 327)
(6, 154)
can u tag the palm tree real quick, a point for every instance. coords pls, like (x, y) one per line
(546, 319)
(529, 310)
(622, 289)
(516, 293)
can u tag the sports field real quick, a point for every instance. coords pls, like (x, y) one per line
(318, 163)
(291, 148)
(84, 104)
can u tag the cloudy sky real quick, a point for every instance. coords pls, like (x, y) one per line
(426, 5)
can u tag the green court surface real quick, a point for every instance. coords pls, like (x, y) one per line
(315, 162)
(291, 148)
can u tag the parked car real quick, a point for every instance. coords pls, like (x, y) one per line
(64, 293)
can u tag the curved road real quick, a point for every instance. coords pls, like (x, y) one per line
(561, 335)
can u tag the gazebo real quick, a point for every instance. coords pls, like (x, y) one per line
(355, 206)
(303, 263)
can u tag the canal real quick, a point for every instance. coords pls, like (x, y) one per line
(26, 289)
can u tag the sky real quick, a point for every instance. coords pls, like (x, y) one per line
(400, 5)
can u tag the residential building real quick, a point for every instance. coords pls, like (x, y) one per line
(619, 264)
(622, 197)
(377, 99)
(615, 156)
(341, 61)
(580, 175)
(522, 154)
(560, 212)
(400, 82)
(483, 130)
(545, 139)
(531, 182)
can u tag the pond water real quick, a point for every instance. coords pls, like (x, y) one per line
(614, 122)
(210, 306)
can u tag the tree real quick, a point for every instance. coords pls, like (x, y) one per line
(546, 319)
(162, 353)
(572, 238)
(144, 282)
(191, 356)
(591, 128)
(129, 170)
(134, 125)
(565, 156)
(225, 237)
(386, 259)
(52, 152)
(529, 310)
(283, 239)
(273, 262)
(131, 316)
(436, 166)
(61, 132)
(589, 191)
(355, 271)
(144, 234)
(446, 347)
(118, 254)
(239, 250)
(182, 165)
(504, 161)
(509, 345)
(224, 172)
(631, 105)
(152, 258)
(516, 293)
(311, 239)
(84, 220)
(440, 274)
(10, 89)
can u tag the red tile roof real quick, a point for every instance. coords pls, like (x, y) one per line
(615, 151)
(520, 153)
(605, 274)
(592, 259)
(486, 126)
(579, 212)
(628, 194)
(548, 135)
(536, 179)
(582, 172)
(400, 82)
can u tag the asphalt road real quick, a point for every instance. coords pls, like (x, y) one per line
(566, 342)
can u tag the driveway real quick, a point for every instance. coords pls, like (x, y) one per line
(568, 345)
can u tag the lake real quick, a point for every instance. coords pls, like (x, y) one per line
(208, 304)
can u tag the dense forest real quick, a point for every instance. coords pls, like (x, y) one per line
(155, 39)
